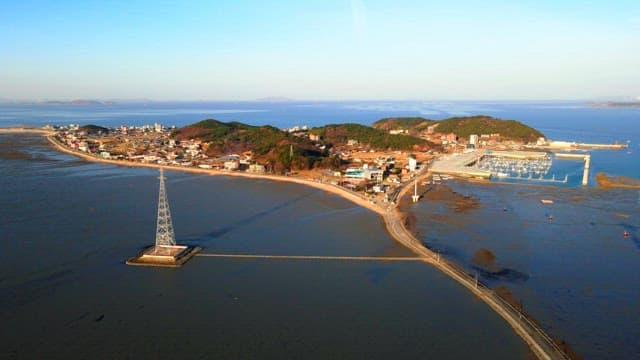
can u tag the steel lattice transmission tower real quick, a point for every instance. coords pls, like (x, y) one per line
(164, 231)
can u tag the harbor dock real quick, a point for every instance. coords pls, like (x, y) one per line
(464, 165)
(461, 165)
(587, 164)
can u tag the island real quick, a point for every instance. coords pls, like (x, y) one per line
(373, 167)
(617, 104)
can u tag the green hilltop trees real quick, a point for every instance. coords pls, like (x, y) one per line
(465, 126)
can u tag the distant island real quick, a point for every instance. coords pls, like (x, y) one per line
(275, 99)
(617, 104)
(58, 102)
(78, 102)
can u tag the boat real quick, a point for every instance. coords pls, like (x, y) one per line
(546, 201)
(625, 234)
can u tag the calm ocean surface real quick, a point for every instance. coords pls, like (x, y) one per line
(67, 226)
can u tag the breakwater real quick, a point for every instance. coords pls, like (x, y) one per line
(566, 145)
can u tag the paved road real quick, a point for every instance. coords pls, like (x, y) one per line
(539, 342)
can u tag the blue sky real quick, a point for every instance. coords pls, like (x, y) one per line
(358, 49)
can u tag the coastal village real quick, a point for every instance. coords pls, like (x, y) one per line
(375, 172)
(372, 171)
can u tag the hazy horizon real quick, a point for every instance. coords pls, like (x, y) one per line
(336, 50)
(309, 100)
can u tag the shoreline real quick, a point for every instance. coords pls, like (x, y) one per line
(542, 346)
(319, 185)
(23, 130)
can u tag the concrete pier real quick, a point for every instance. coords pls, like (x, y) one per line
(587, 164)
(585, 173)
(460, 165)
(415, 197)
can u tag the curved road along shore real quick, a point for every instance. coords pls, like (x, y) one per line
(537, 340)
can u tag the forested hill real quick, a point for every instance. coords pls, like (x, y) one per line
(375, 139)
(402, 123)
(509, 129)
(267, 144)
(464, 126)
(94, 129)
(284, 150)
(228, 137)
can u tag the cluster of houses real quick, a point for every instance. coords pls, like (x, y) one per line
(153, 144)
(454, 142)
(380, 173)
(78, 140)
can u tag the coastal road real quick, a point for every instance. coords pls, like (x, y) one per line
(539, 342)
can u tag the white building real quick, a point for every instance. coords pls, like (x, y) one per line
(257, 168)
(413, 163)
(231, 165)
(473, 139)
(398, 131)
(364, 174)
